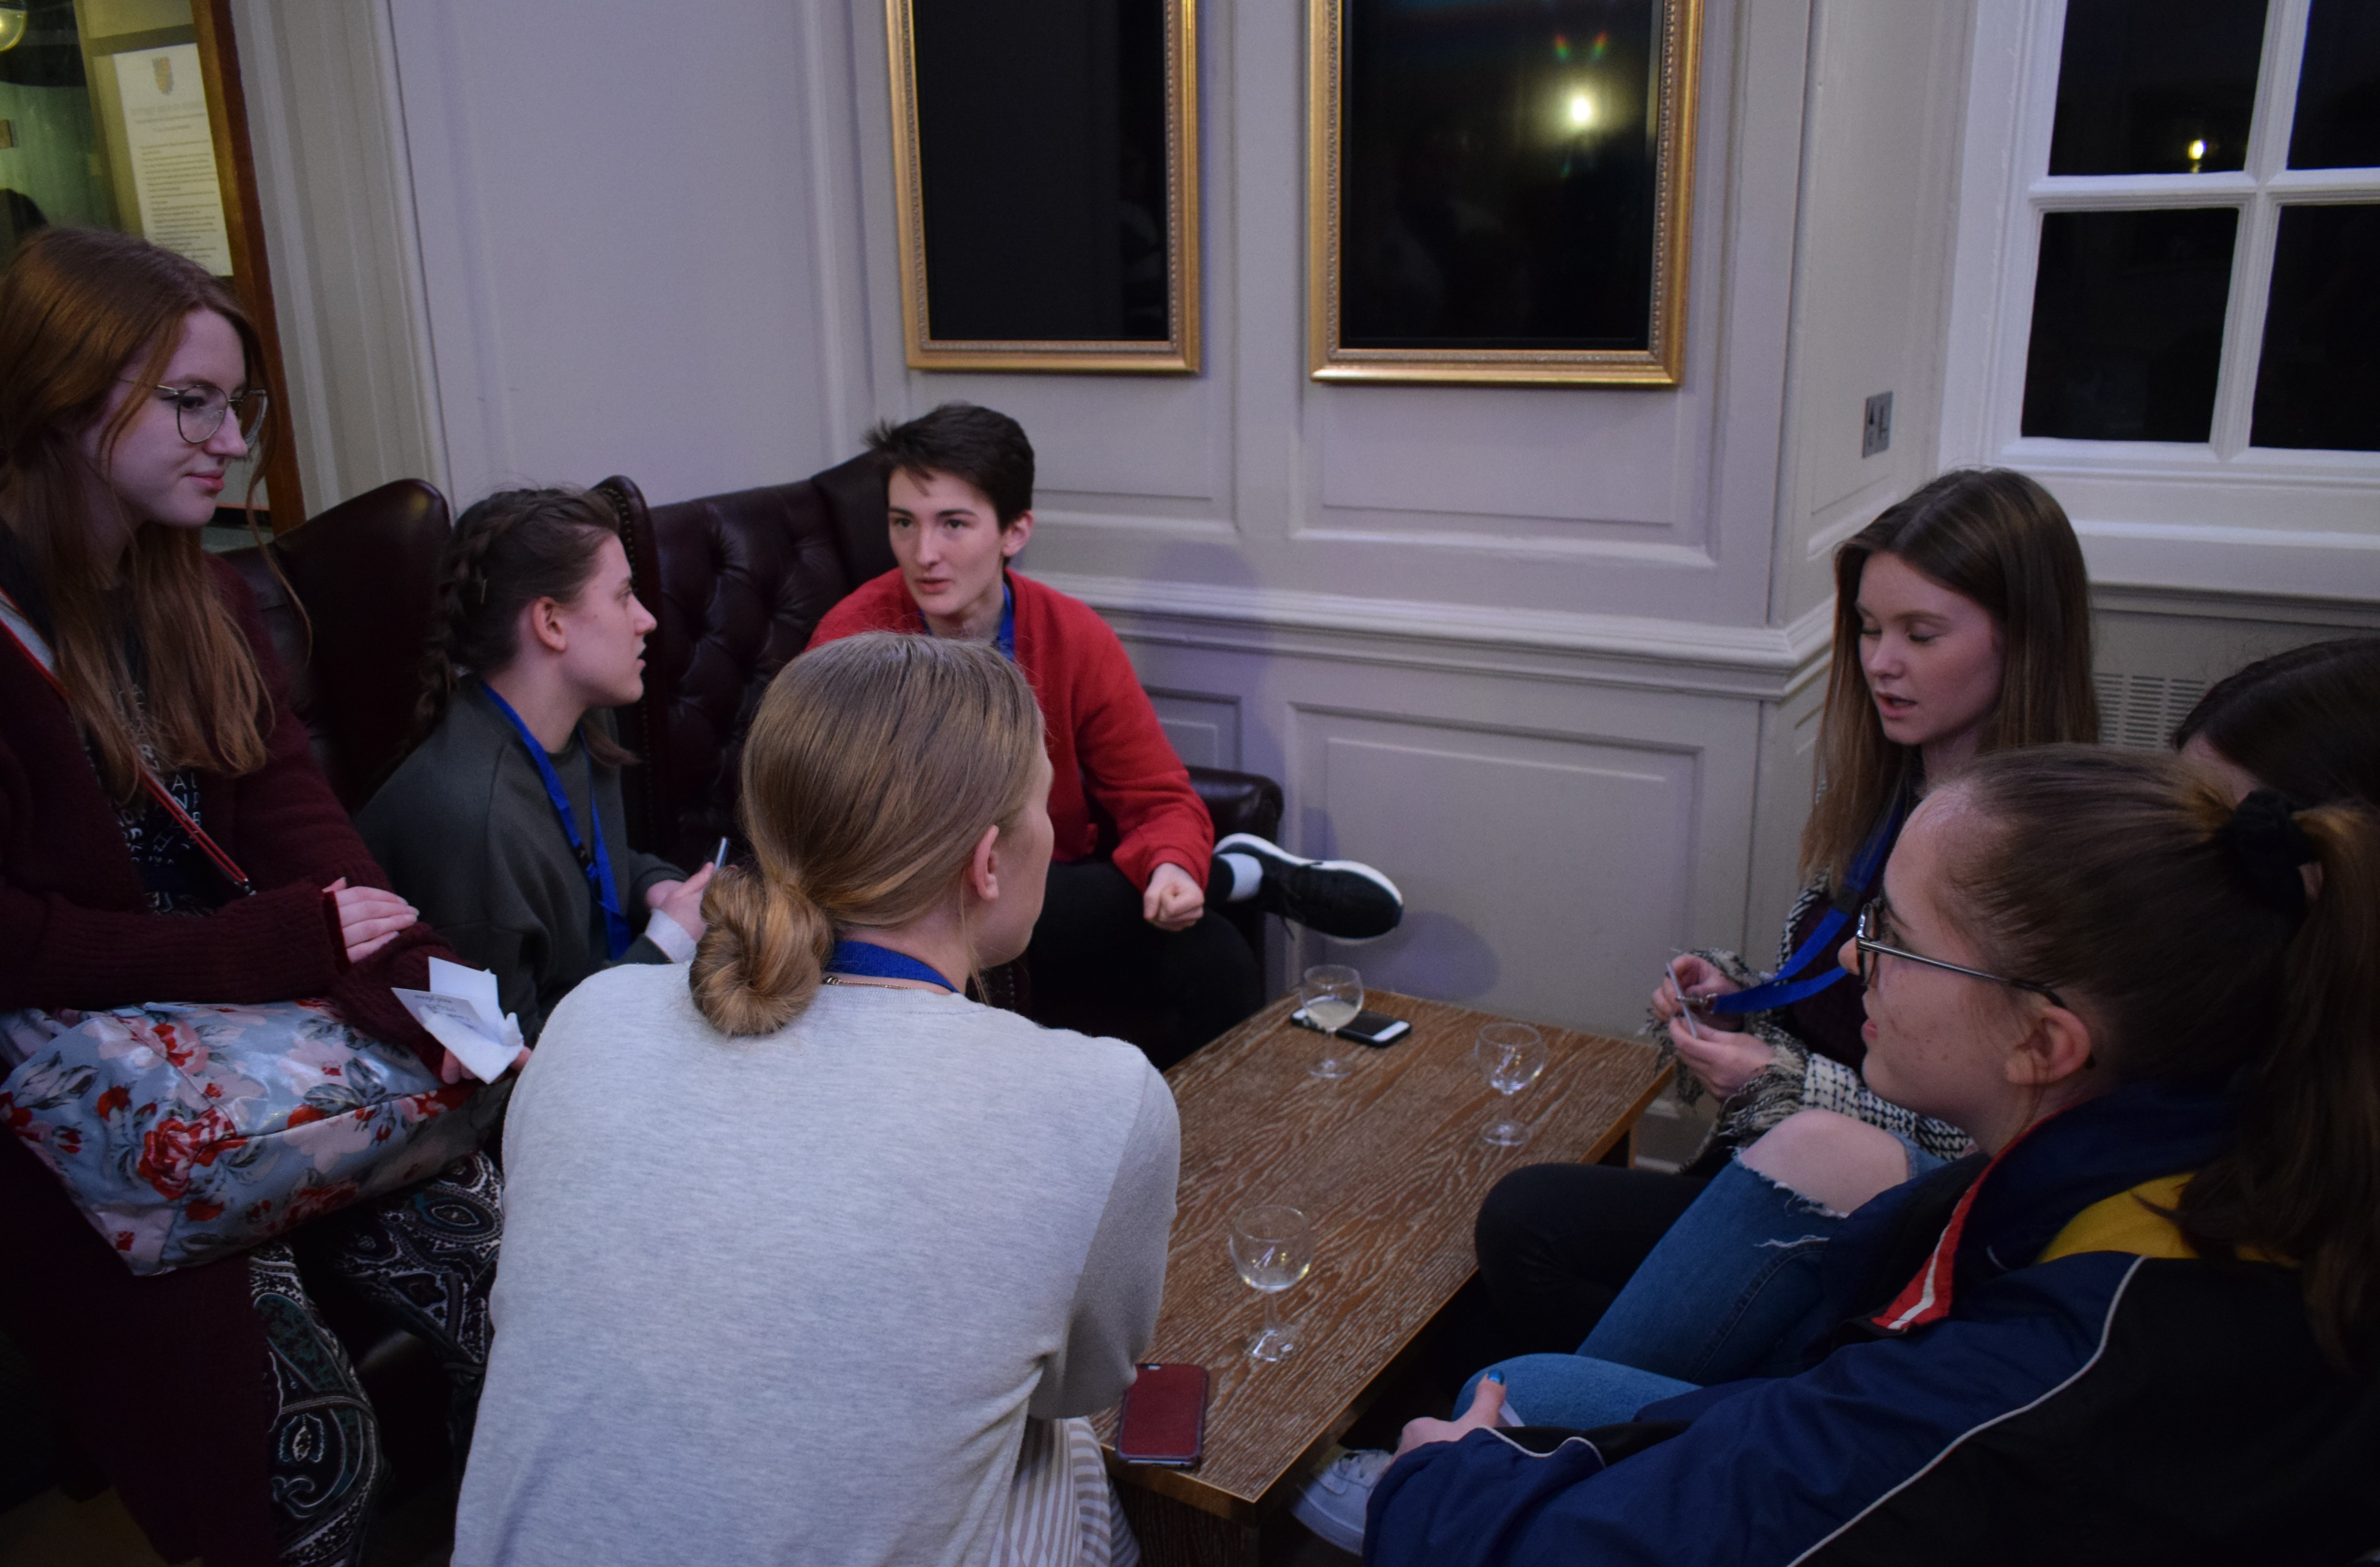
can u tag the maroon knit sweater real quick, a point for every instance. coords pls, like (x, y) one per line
(161, 1380)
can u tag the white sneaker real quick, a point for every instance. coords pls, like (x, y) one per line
(1333, 1502)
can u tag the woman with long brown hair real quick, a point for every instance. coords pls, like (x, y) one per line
(880, 1249)
(165, 833)
(1962, 627)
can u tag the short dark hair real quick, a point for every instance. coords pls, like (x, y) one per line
(983, 446)
(2306, 722)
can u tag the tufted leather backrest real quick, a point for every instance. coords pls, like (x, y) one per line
(365, 572)
(738, 582)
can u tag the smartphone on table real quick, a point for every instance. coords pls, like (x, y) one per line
(1164, 1418)
(1377, 1030)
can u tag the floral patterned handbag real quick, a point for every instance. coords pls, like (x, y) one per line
(186, 1132)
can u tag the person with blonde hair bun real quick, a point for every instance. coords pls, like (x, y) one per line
(880, 1248)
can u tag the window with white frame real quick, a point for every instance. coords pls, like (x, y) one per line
(2168, 299)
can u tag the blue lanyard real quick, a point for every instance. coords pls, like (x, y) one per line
(1007, 640)
(598, 864)
(1782, 989)
(866, 960)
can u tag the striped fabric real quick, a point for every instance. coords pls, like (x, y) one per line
(1061, 1512)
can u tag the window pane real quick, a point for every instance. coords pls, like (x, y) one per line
(2127, 324)
(2338, 93)
(2156, 86)
(2318, 383)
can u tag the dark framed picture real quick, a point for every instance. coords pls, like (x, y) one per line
(1046, 158)
(1500, 191)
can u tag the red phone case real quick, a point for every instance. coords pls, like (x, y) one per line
(1164, 1418)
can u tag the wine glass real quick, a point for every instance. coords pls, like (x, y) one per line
(1273, 1247)
(1511, 1055)
(1333, 994)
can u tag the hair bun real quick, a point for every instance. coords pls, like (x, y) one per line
(2269, 847)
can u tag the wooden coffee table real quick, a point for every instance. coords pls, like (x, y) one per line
(1390, 1165)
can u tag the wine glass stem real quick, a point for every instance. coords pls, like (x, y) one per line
(1273, 1325)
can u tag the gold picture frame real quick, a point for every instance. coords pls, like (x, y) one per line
(1673, 42)
(1176, 353)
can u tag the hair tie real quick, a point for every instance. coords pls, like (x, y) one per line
(2267, 845)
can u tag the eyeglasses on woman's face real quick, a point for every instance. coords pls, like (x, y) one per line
(1872, 926)
(199, 410)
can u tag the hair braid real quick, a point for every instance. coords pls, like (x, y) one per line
(463, 579)
(506, 553)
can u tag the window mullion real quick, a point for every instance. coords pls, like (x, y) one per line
(2260, 222)
(2276, 89)
(2244, 327)
(2036, 108)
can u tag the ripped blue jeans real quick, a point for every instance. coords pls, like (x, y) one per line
(1730, 1292)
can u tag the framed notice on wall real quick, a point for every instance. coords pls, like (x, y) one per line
(168, 140)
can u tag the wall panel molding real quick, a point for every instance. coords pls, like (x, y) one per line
(2263, 569)
(1761, 663)
(1549, 858)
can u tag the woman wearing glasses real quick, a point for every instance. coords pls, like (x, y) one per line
(135, 671)
(2141, 1323)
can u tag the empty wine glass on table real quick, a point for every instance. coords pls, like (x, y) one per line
(1511, 1056)
(1273, 1247)
(1333, 994)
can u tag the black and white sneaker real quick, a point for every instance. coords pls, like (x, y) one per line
(1335, 897)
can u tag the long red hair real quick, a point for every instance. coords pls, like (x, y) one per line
(79, 310)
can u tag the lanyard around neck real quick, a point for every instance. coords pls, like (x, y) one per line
(595, 863)
(866, 960)
(1782, 989)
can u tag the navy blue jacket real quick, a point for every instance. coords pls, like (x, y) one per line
(2076, 1387)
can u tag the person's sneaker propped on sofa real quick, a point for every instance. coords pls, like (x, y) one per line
(1334, 897)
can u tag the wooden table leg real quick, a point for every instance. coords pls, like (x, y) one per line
(1174, 1534)
(1623, 1152)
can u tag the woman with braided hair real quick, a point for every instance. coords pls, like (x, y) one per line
(506, 825)
(164, 833)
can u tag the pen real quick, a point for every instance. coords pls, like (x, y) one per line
(1686, 1007)
(719, 859)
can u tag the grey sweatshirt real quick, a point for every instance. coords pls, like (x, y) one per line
(467, 834)
(791, 1299)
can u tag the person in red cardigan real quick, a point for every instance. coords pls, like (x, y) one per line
(213, 1397)
(1136, 926)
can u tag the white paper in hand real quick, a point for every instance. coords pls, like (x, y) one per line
(462, 1012)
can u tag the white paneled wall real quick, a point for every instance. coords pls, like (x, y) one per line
(1551, 657)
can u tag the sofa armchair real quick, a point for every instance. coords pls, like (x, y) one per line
(737, 582)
